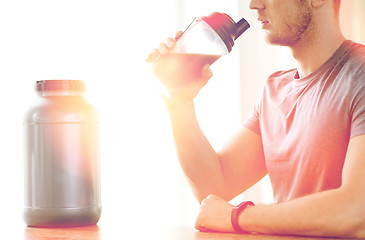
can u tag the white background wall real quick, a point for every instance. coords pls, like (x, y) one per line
(105, 43)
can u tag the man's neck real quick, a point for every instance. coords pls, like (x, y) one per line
(315, 48)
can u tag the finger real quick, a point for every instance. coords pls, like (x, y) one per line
(163, 48)
(178, 34)
(153, 55)
(171, 43)
(198, 225)
(206, 74)
(203, 229)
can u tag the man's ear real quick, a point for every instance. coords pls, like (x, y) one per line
(318, 3)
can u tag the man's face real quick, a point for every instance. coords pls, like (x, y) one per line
(284, 21)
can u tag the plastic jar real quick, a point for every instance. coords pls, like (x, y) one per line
(61, 165)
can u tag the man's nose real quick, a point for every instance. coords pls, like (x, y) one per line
(257, 4)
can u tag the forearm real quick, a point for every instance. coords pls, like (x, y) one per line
(197, 158)
(331, 214)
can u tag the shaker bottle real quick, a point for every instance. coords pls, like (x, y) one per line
(62, 173)
(204, 41)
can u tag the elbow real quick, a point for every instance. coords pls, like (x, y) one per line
(355, 228)
(347, 227)
(352, 229)
(352, 223)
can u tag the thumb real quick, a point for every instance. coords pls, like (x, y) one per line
(206, 72)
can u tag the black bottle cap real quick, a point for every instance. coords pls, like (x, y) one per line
(227, 29)
(241, 27)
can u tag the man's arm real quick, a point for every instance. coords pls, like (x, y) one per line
(334, 213)
(227, 173)
(224, 173)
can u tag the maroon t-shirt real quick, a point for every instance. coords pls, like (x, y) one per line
(306, 124)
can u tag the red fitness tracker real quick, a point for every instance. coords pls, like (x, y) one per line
(236, 211)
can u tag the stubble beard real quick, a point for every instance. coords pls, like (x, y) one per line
(293, 30)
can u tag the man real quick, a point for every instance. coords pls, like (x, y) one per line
(307, 132)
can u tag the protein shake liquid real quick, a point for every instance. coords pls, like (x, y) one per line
(181, 67)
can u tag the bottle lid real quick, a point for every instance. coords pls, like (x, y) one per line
(241, 27)
(60, 85)
(227, 29)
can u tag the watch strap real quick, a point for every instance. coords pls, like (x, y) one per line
(236, 211)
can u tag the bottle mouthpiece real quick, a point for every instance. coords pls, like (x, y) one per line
(241, 26)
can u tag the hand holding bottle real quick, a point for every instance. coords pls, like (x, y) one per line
(182, 64)
(182, 74)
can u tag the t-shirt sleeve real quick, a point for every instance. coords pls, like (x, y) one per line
(358, 110)
(253, 120)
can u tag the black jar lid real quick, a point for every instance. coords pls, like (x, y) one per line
(60, 85)
(227, 29)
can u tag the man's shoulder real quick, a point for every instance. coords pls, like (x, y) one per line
(354, 63)
(357, 52)
(357, 46)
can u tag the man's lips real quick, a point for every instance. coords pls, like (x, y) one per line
(263, 21)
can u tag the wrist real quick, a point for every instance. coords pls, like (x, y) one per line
(178, 101)
(236, 212)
